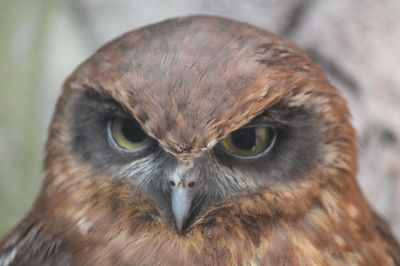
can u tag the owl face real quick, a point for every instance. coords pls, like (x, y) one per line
(193, 113)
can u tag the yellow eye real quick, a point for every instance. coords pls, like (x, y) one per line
(127, 134)
(249, 141)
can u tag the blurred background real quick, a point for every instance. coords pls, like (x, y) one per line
(357, 42)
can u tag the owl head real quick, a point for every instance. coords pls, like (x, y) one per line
(191, 115)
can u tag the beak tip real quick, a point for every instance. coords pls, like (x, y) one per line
(179, 227)
(181, 203)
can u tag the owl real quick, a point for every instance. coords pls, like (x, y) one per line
(200, 141)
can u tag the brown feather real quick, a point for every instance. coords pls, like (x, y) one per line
(190, 82)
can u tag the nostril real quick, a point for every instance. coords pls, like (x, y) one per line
(191, 184)
(172, 183)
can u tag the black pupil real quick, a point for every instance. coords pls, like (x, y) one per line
(244, 138)
(132, 131)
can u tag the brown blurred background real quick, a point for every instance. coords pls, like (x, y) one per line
(357, 42)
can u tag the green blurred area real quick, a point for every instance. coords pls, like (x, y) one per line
(20, 90)
(31, 33)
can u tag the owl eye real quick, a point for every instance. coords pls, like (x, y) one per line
(249, 142)
(126, 134)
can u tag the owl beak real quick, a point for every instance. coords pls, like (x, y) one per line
(182, 186)
(181, 201)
